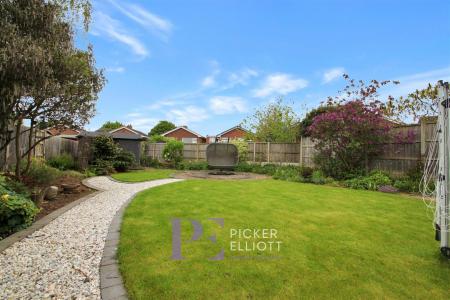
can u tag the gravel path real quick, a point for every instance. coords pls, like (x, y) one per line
(61, 260)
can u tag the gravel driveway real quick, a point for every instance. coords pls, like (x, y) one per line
(62, 259)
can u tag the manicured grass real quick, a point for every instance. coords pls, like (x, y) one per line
(143, 175)
(336, 243)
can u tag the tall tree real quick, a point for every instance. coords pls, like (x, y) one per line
(111, 125)
(44, 78)
(276, 122)
(161, 127)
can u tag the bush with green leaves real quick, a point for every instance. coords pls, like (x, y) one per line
(104, 148)
(149, 162)
(62, 162)
(317, 177)
(123, 160)
(243, 167)
(242, 147)
(17, 211)
(103, 167)
(371, 182)
(158, 139)
(288, 173)
(40, 174)
(173, 152)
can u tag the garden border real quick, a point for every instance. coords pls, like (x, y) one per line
(111, 283)
(20, 235)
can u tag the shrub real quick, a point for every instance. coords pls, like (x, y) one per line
(306, 172)
(74, 174)
(243, 167)
(407, 185)
(104, 148)
(173, 152)
(242, 147)
(62, 162)
(371, 182)
(102, 167)
(158, 139)
(288, 173)
(123, 160)
(40, 174)
(149, 162)
(17, 211)
(318, 177)
(267, 169)
(348, 137)
(193, 165)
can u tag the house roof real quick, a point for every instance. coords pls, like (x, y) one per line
(233, 128)
(115, 134)
(185, 128)
(64, 130)
(129, 129)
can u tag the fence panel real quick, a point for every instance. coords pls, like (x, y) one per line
(409, 146)
(56, 145)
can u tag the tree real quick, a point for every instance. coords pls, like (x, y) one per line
(276, 122)
(57, 84)
(28, 29)
(348, 138)
(161, 127)
(308, 119)
(111, 125)
(420, 103)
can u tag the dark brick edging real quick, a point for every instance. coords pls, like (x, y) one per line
(111, 284)
(18, 236)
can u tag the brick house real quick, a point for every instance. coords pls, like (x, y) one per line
(184, 134)
(234, 133)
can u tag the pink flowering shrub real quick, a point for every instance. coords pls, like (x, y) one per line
(348, 138)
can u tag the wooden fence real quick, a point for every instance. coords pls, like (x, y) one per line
(47, 149)
(409, 146)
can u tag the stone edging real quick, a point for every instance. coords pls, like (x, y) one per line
(20, 235)
(111, 284)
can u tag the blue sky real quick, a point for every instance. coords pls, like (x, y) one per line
(209, 64)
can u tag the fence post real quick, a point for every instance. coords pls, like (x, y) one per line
(254, 152)
(197, 154)
(423, 140)
(301, 151)
(268, 152)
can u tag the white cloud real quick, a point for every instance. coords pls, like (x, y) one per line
(158, 25)
(242, 77)
(115, 69)
(134, 115)
(412, 82)
(143, 124)
(221, 105)
(210, 80)
(105, 25)
(281, 84)
(163, 103)
(332, 74)
(188, 115)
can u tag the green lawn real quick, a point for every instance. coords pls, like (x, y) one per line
(336, 243)
(143, 175)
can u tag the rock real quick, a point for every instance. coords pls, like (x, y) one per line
(51, 192)
(388, 189)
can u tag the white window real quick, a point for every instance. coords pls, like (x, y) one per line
(189, 140)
